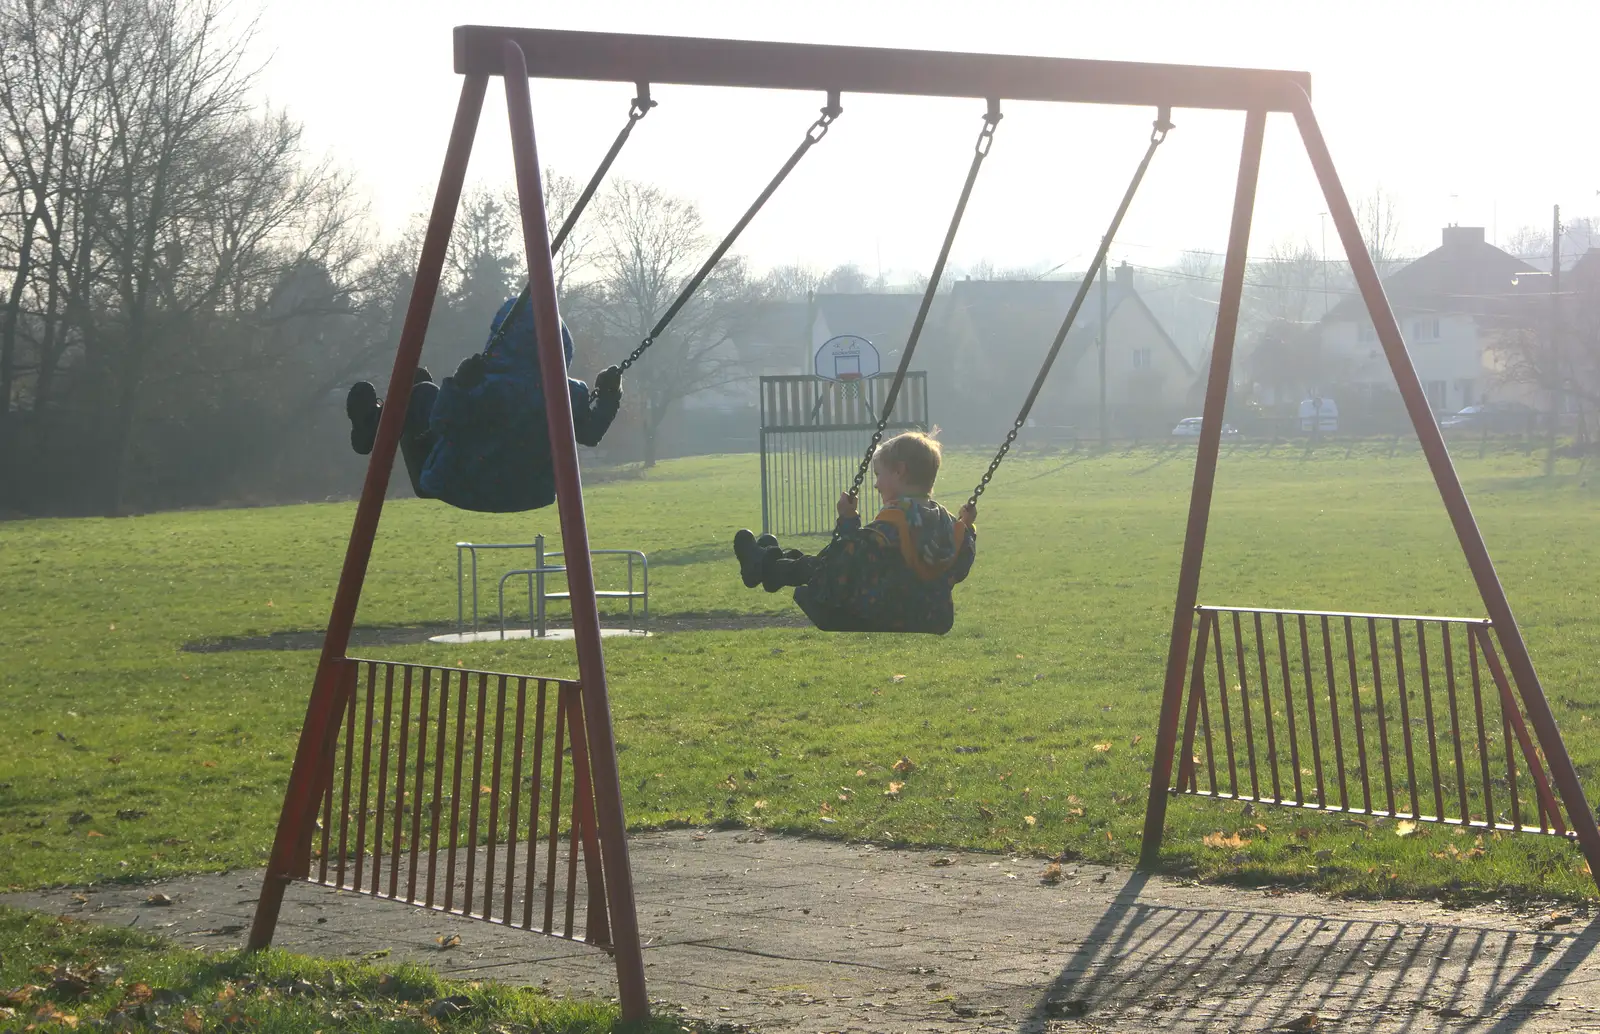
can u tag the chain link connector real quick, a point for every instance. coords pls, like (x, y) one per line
(641, 102)
(1162, 125)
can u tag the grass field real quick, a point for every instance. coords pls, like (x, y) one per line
(59, 974)
(121, 756)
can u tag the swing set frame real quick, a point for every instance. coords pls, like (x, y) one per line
(514, 54)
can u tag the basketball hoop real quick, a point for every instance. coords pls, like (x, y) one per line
(846, 358)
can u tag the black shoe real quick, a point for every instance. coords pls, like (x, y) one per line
(362, 407)
(775, 567)
(766, 540)
(749, 554)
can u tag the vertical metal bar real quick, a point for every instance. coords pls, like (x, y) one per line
(400, 783)
(294, 821)
(1227, 721)
(551, 850)
(1266, 708)
(475, 794)
(327, 824)
(514, 809)
(1455, 720)
(1376, 657)
(366, 777)
(381, 811)
(458, 755)
(436, 805)
(583, 820)
(416, 786)
(1333, 713)
(1546, 799)
(1197, 691)
(344, 790)
(1288, 709)
(530, 879)
(1311, 710)
(1511, 768)
(1492, 592)
(1205, 473)
(1483, 739)
(1244, 702)
(575, 541)
(1427, 704)
(1405, 716)
(1355, 715)
(494, 796)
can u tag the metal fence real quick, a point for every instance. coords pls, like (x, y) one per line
(442, 784)
(1372, 714)
(813, 435)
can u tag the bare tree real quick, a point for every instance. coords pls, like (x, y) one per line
(789, 283)
(653, 242)
(1288, 284)
(1378, 215)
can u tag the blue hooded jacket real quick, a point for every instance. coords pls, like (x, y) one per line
(492, 445)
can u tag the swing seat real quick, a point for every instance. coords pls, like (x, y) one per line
(844, 619)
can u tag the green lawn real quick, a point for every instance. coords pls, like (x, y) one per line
(123, 757)
(58, 974)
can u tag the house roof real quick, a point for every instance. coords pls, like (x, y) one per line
(1026, 314)
(883, 319)
(1466, 274)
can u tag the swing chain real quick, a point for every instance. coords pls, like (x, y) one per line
(819, 129)
(991, 120)
(1158, 134)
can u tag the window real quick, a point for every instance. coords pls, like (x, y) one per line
(1464, 386)
(1437, 396)
(1142, 359)
(1425, 330)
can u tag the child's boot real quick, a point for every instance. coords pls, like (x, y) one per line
(362, 407)
(784, 569)
(749, 550)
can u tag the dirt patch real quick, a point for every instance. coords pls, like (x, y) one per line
(410, 635)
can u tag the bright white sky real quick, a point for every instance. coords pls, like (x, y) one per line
(1467, 112)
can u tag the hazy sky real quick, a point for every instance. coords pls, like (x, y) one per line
(1475, 113)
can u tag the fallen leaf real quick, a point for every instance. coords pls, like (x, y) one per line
(94, 833)
(1030, 820)
(208, 764)
(19, 995)
(447, 1007)
(1102, 747)
(1052, 874)
(861, 771)
(136, 993)
(942, 861)
(381, 953)
(82, 899)
(759, 805)
(1072, 798)
(485, 789)
(192, 1021)
(1135, 741)
(897, 678)
(158, 899)
(1555, 920)
(1221, 839)
(1404, 828)
(50, 1014)
(447, 941)
(1075, 812)
(894, 789)
(1305, 1023)
(905, 765)
(984, 813)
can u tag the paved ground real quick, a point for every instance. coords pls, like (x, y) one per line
(788, 934)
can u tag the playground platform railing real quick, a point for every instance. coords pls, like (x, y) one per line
(467, 575)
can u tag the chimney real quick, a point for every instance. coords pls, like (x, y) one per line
(1125, 275)
(1462, 236)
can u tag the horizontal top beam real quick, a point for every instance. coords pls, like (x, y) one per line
(690, 61)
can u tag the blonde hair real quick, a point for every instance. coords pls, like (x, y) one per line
(917, 454)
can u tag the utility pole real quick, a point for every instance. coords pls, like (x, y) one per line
(1555, 327)
(1105, 430)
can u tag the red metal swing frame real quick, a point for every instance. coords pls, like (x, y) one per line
(485, 51)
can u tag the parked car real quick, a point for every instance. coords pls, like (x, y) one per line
(1492, 416)
(1189, 427)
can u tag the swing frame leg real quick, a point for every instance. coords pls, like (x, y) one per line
(289, 846)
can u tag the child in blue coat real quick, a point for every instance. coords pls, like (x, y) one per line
(479, 441)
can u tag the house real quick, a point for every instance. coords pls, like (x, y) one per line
(1450, 303)
(1001, 330)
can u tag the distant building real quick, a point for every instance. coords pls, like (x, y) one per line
(1450, 303)
(1000, 331)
